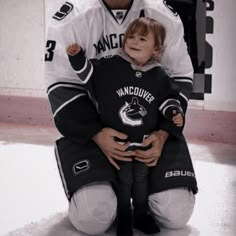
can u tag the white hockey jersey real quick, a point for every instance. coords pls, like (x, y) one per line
(100, 30)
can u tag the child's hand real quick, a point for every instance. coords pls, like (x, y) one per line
(177, 119)
(73, 49)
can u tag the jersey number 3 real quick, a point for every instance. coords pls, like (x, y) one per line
(50, 46)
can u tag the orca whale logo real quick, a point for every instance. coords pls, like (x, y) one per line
(131, 113)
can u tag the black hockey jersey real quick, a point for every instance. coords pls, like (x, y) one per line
(128, 99)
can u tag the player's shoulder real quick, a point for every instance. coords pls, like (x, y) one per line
(74, 9)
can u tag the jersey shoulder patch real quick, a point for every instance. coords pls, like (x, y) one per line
(72, 8)
(64, 11)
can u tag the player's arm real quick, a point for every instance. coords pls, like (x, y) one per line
(177, 60)
(175, 56)
(172, 98)
(170, 107)
(74, 114)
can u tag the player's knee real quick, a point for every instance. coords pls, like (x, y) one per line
(92, 209)
(172, 209)
(172, 220)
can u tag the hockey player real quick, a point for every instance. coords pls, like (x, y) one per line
(139, 78)
(98, 26)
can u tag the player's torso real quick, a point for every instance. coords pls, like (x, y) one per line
(106, 27)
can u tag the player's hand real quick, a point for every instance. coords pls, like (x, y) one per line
(113, 150)
(178, 119)
(73, 49)
(151, 156)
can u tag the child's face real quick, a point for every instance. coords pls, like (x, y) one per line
(140, 47)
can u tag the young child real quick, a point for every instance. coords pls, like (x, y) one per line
(132, 93)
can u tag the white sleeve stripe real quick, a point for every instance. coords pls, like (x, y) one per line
(88, 76)
(83, 69)
(164, 110)
(64, 85)
(166, 101)
(67, 102)
(184, 97)
(184, 81)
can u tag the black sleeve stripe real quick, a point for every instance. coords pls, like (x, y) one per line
(67, 102)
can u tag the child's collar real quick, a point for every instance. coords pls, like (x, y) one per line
(148, 66)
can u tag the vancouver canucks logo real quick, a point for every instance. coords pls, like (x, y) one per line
(132, 113)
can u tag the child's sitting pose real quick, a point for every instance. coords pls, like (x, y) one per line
(133, 94)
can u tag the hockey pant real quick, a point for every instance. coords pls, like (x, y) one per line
(174, 168)
(81, 165)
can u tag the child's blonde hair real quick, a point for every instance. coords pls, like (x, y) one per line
(143, 26)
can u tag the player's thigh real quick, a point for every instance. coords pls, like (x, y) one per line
(92, 209)
(172, 208)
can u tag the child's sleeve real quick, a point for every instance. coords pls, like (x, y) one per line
(170, 98)
(82, 67)
(168, 107)
(170, 101)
